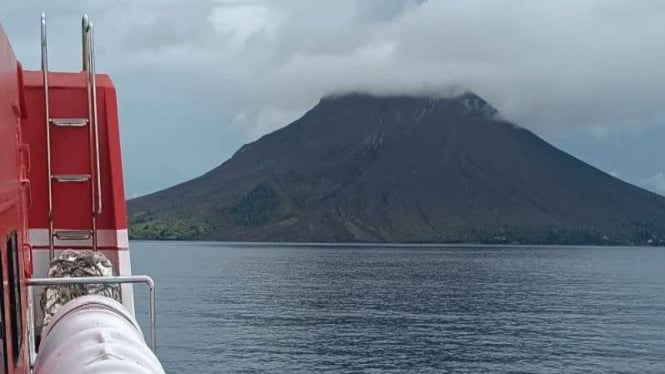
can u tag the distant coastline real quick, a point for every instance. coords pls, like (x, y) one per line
(389, 245)
(172, 233)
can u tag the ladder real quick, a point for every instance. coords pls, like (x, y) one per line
(56, 125)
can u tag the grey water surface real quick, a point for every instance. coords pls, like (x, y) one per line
(254, 308)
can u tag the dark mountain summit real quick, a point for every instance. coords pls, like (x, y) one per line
(359, 167)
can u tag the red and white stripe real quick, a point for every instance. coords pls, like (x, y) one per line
(106, 239)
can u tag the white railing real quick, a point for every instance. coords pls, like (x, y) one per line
(122, 279)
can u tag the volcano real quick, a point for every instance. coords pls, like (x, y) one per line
(366, 168)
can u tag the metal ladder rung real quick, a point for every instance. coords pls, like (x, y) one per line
(69, 122)
(91, 122)
(72, 234)
(71, 178)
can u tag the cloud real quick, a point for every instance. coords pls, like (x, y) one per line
(250, 66)
(655, 183)
(594, 64)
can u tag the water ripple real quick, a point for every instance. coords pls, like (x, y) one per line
(255, 308)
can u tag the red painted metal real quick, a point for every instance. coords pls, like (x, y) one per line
(24, 178)
(14, 197)
(70, 152)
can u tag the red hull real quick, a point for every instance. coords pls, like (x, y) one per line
(14, 196)
(30, 220)
(70, 155)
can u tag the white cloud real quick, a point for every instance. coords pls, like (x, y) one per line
(591, 63)
(545, 65)
(240, 21)
(265, 121)
(655, 183)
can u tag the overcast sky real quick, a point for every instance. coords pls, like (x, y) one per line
(196, 79)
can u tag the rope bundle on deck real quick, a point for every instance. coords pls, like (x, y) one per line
(70, 264)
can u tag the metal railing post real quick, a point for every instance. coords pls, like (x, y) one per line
(48, 137)
(88, 65)
(121, 279)
(93, 74)
(84, 43)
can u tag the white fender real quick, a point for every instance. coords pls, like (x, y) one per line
(94, 334)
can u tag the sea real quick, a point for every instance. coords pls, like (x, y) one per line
(308, 308)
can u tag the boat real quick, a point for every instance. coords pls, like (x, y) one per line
(66, 301)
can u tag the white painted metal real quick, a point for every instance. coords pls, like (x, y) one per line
(124, 267)
(94, 334)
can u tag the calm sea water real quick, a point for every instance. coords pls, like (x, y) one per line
(309, 309)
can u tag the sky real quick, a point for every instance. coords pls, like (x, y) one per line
(197, 79)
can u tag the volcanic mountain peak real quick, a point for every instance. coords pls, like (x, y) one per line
(464, 102)
(474, 104)
(403, 168)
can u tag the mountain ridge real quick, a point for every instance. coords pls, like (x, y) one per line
(403, 168)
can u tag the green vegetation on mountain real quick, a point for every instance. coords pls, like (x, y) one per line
(169, 229)
(256, 207)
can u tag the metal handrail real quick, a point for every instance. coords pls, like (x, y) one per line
(51, 250)
(121, 279)
(88, 62)
(93, 74)
(85, 48)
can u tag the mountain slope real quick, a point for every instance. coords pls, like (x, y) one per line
(402, 169)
